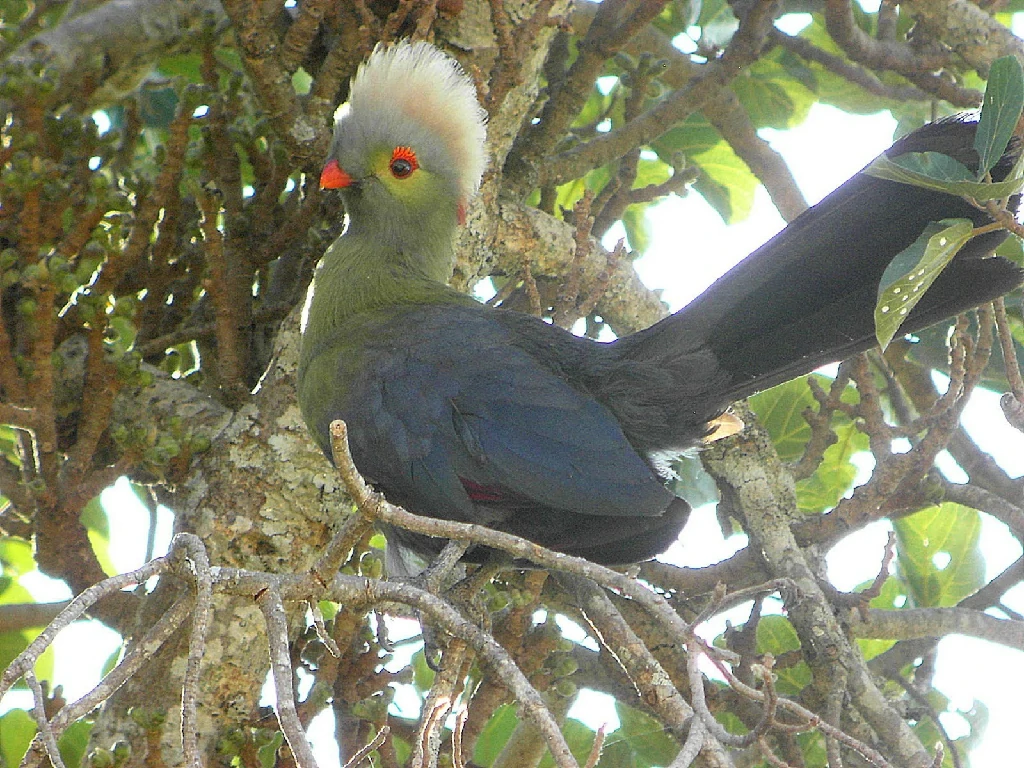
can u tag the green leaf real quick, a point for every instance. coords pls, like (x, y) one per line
(1000, 111)
(928, 733)
(16, 557)
(111, 662)
(835, 475)
(892, 596)
(791, 680)
(495, 734)
(718, 33)
(569, 194)
(645, 737)
(17, 728)
(185, 65)
(121, 335)
(1012, 248)
(638, 230)
(422, 674)
(11, 644)
(932, 170)
(94, 517)
(731, 721)
(328, 609)
(771, 95)
(812, 744)
(977, 718)
(301, 81)
(841, 92)
(938, 554)
(157, 106)
(651, 172)
(780, 410)
(913, 271)
(596, 107)
(920, 166)
(580, 739)
(725, 181)
(403, 749)
(10, 446)
(267, 754)
(692, 137)
(712, 11)
(12, 592)
(775, 635)
(74, 741)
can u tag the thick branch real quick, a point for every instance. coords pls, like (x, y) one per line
(914, 623)
(258, 44)
(754, 478)
(877, 54)
(115, 43)
(969, 31)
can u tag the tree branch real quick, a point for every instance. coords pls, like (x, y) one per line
(916, 623)
(113, 45)
(972, 33)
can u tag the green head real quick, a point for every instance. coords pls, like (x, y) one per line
(408, 148)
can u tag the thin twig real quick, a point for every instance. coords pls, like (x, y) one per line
(365, 752)
(45, 733)
(692, 746)
(191, 546)
(269, 601)
(354, 528)
(321, 630)
(1006, 344)
(595, 749)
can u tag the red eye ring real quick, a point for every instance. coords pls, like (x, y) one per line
(403, 162)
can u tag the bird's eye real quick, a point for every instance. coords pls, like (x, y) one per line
(403, 162)
(401, 168)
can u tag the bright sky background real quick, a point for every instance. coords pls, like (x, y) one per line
(692, 247)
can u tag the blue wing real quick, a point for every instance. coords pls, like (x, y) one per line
(452, 419)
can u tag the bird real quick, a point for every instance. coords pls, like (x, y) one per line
(462, 411)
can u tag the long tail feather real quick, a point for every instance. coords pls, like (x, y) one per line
(807, 297)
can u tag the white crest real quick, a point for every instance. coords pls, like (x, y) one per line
(430, 87)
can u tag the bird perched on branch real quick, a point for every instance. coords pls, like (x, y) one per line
(460, 411)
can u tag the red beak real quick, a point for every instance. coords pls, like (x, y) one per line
(332, 177)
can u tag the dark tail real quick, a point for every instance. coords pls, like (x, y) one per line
(807, 297)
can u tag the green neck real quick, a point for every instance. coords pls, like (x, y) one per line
(361, 275)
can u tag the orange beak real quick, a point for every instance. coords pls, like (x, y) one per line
(332, 177)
